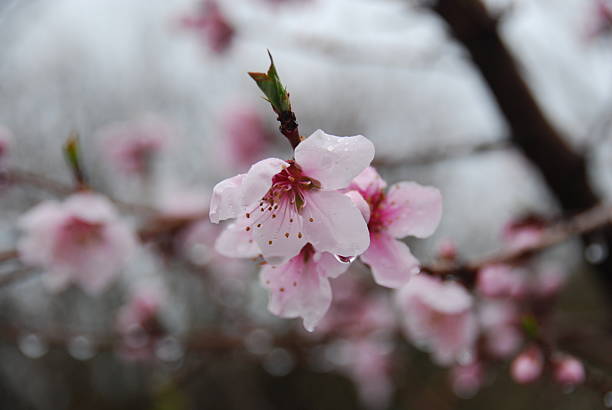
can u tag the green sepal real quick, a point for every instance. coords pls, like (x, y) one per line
(276, 94)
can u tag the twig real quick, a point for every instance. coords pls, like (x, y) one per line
(589, 221)
(442, 154)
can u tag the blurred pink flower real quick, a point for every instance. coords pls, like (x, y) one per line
(300, 287)
(370, 369)
(131, 146)
(502, 281)
(499, 321)
(600, 21)
(438, 317)
(245, 136)
(138, 325)
(466, 380)
(407, 209)
(523, 233)
(211, 25)
(528, 365)
(81, 240)
(184, 204)
(285, 205)
(569, 371)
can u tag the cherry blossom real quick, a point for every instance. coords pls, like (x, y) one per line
(287, 204)
(467, 379)
(438, 317)
(528, 365)
(406, 209)
(131, 146)
(81, 240)
(245, 136)
(569, 371)
(300, 287)
(212, 26)
(138, 324)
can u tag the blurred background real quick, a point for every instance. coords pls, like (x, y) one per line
(174, 73)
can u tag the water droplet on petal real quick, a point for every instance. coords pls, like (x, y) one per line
(345, 259)
(81, 348)
(32, 346)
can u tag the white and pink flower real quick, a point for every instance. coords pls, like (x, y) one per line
(131, 146)
(286, 204)
(438, 317)
(212, 25)
(528, 365)
(406, 209)
(81, 240)
(300, 287)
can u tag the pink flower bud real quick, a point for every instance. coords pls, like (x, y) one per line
(569, 371)
(447, 250)
(527, 366)
(497, 281)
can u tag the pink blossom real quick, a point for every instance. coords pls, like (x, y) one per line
(138, 325)
(131, 146)
(184, 205)
(80, 240)
(499, 323)
(286, 204)
(245, 136)
(502, 281)
(527, 366)
(524, 233)
(370, 369)
(569, 371)
(438, 317)
(212, 26)
(467, 379)
(406, 209)
(601, 21)
(548, 281)
(300, 287)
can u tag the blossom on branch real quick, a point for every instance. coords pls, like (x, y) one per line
(300, 287)
(438, 317)
(405, 209)
(286, 204)
(211, 25)
(81, 240)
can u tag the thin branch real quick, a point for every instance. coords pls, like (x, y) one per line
(586, 222)
(442, 154)
(18, 176)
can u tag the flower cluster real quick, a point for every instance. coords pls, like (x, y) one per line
(309, 217)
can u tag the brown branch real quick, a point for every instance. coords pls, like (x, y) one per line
(563, 170)
(586, 222)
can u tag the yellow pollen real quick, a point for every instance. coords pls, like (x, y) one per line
(248, 228)
(311, 219)
(259, 225)
(300, 235)
(269, 242)
(286, 234)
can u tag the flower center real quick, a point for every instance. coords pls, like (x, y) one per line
(377, 216)
(290, 184)
(82, 232)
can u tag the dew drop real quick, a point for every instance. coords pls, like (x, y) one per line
(81, 348)
(32, 346)
(345, 259)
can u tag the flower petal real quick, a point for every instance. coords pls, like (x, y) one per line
(298, 288)
(360, 203)
(334, 161)
(226, 201)
(412, 209)
(368, 183)
(236, 242)
(259, 179)
(332, 223)
(391, 261)
(278, 232)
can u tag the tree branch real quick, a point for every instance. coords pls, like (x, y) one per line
(563, 170)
